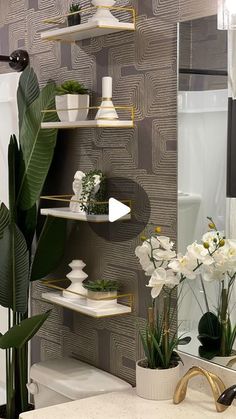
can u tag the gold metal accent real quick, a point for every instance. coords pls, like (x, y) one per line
(231, 363)
(67, 198)
(89, 9)
(215, 382)
(51, 283)
(129, 109)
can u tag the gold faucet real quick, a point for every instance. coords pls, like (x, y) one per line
(215, 382)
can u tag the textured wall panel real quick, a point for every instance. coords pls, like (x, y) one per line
(143, 66)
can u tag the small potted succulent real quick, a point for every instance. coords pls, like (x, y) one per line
(72, 101)
(74, 19)
(99, 292)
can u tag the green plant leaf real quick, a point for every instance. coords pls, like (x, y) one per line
(4, 219)
(37, 147)
(19, 335)
(184, 341)
(14, 270)
(209, 329)
(27, 93)
(27, 221)
(50, 248)
(206, 353)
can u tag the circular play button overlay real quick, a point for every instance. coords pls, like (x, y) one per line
(129, 211)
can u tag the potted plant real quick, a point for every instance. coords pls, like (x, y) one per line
(158, 374)
(74, 17)
(28, 165)
(72, 101)
(101, 293)
(215, 260)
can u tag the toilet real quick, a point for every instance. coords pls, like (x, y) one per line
(59, 381)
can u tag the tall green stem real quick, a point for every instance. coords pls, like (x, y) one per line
(223, 316)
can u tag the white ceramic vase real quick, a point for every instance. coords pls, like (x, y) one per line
(70, 102)
(107, 110)
(96, 299)
(76, 276)
(156, 384)
(104, 15)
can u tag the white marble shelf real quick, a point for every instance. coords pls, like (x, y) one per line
(67, 213)
(127, 405)
(86, 31)
(56, 298)
(88, 124)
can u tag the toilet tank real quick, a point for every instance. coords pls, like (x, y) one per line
(63, 380)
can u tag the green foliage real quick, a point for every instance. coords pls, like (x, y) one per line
(210, 331)
(50, 248)
(28, 91)
(74, 7)
(20, 334)
(71, 87)
(101, 285)
(4, 219)
(14, 269)
(37, 147)
(160, 352)
(90, 198)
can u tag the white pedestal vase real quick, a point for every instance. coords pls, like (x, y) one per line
(65, 104)
(107, 110)
(96, 299)
(76, 276)
(156, 384)
(102, 14)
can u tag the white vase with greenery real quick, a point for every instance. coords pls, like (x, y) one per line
(101, 293)
(72, 102)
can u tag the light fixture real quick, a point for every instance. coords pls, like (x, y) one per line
(227, 14)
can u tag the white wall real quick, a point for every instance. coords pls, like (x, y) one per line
(8, 126)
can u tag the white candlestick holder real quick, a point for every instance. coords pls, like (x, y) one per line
(76, 276)
(107, 110)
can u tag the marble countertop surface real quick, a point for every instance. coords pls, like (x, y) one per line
(127, 405)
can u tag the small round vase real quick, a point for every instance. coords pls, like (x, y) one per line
(156, 384)
(76, 290)
(103, 14)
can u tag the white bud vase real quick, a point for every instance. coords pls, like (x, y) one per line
(107, 110)
(76, 276)
(104, 15)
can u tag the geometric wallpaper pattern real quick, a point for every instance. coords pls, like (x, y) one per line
(143, 67)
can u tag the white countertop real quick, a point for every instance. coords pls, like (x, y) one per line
(127, 405)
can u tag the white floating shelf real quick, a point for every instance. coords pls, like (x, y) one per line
(86, 30)
(88, 124)
(56, 298)
(67, 213)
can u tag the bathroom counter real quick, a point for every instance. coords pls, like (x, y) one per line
(127, 405)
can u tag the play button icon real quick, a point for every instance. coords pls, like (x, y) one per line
(118, 210)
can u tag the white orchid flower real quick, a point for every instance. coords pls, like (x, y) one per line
(199, 253)
(184, 265)
(161, 277)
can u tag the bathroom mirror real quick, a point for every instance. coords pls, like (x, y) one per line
(202, 153)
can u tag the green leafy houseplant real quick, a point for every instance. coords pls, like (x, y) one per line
(101, 285)
(28, 165)
(71, 87)
(75, 18)
(90, 200)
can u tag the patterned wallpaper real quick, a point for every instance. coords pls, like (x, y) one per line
(143, 66)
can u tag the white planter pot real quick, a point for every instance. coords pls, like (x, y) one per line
(225, 361)
(98, 297)
(72, 102)
(104, 14)
(156, 384)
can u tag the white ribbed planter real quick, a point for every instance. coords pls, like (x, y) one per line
(156, 384)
